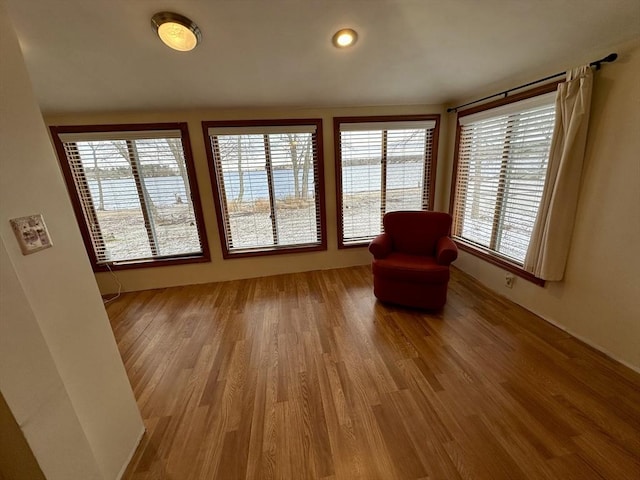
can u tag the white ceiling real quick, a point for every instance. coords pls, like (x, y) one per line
(102, 55)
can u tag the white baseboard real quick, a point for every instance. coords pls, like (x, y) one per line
(612, 356)
(591, 343)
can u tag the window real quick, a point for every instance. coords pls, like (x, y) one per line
(134, 192)
(268, 185)
(383, 164)
(499, 175)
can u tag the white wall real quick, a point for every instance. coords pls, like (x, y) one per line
(599, 299)
(60, 370)
(34, 389)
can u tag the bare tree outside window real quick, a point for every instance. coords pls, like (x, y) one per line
(267, 185)
(134, 192)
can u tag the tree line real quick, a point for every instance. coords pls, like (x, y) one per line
(124, 171)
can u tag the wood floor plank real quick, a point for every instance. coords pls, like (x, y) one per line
(306, 376)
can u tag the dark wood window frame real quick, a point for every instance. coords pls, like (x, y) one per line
(220, 198)
(427, 194)
(78, 208)
(470, 247)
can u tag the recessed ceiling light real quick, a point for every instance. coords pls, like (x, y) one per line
(344, 38)
(176, 31)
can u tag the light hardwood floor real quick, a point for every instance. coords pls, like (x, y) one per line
(306, 376)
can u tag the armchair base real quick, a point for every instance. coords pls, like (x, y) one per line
(427, 296)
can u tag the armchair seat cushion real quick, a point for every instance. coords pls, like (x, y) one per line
(410, 268)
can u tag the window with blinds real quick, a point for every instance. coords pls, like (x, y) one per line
(502, 158)
(268, 185)
(383, 164)
(134, 193)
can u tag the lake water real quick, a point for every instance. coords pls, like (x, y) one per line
(121, 193)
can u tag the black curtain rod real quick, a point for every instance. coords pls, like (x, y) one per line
(608, 59)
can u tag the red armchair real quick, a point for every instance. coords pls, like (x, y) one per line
(411, 259)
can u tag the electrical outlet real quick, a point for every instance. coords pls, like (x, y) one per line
(508, 280)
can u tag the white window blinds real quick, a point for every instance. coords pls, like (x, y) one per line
(134, 192)
(268, 180)
(383, 166)
(501, 168)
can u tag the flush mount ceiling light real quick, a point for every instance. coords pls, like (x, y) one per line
(176, 31)
(344, 38)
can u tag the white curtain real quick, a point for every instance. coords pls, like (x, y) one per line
(551, 238)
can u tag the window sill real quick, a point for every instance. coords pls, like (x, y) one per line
(151, 262)
(261, 252)
(363, 243)
(501, 262)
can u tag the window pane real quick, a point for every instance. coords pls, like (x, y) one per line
(114, 196)
(361, 184)
(529, 144)
(243, 166)
(293, 181)
(405, 169)
(480, 164)
(168, 195)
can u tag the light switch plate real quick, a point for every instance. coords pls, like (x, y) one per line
(31, 233)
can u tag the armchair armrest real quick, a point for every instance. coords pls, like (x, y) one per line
(446, 251)
(380, 246)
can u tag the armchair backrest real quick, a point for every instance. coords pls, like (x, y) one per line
(416, 232)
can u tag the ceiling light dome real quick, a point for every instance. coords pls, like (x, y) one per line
(176, 31)
(344, 38)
